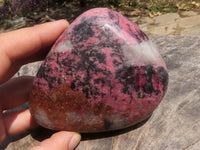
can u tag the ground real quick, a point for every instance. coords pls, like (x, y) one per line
(70, 10)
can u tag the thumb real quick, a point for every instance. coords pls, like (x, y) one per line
(62, 140)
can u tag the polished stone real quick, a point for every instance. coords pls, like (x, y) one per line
(103, 73)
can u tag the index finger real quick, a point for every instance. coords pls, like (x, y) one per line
(20, 46)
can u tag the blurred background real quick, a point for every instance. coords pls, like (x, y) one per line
(16, 14)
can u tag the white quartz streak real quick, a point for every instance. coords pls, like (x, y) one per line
(63, 46)
(143, 53)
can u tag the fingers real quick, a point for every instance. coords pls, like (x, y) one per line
(15, 92)
(17, 122)
(28, 44)
(3, 132)
(12, 123)
(61, 141)
(12, 94)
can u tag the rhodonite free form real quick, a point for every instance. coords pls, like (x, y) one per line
(103, 73)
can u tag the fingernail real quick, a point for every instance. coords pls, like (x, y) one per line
(74, 141)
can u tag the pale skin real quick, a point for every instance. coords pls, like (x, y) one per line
(16, 49)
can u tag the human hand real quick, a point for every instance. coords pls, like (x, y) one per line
(17, 48)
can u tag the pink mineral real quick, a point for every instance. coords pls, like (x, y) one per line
(103, 73)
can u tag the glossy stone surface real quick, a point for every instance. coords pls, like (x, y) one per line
(103, 73)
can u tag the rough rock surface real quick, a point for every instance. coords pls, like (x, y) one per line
(174, 125)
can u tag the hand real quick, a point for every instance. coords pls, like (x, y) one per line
(17, 48)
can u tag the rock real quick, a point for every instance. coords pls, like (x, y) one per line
(101, 74)
(29, 71)
(194, 31)
(169, 29)
(166, 19)
(160, 25)
(189, 22)
(188, 13)
(174, 125)
(145, 20)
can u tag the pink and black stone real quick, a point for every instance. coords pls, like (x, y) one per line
(103, 73)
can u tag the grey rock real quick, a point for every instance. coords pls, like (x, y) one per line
(184, 23)
(160, 25)
(194, 31)
(189, 21)
(28, 70)
(165, 19)
(174, 125)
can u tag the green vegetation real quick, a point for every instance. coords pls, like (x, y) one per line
(162, 7)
